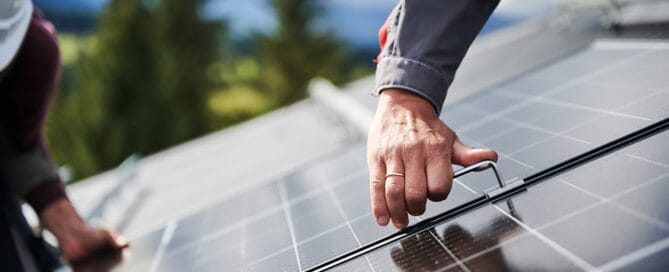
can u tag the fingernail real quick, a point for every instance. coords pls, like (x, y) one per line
(399, 226)
(382, 220)
(121, 241)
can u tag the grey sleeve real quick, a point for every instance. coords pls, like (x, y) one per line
(425, 42)
(24, 170)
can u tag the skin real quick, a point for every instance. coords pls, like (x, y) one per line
(407, 137)
(76, 239)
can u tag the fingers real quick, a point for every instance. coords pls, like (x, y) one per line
(415, 193)
(116, 240)
(110, 239)
(395, 193)
(465, 156)
(377, 189)
(439, 177)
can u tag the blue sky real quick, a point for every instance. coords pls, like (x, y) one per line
(352, 20)
(356, 21)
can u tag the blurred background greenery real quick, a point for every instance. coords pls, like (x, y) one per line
(152, 75)
(143, 75)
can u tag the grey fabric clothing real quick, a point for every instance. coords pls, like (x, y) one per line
(24, 170)
(20, 248)
(426, 41)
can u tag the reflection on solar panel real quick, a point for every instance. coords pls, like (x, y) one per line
(606, 214)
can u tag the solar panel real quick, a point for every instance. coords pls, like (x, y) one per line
(571, 222)
(321, 211)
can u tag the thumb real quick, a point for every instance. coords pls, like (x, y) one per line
(464, 155)
(111, 239)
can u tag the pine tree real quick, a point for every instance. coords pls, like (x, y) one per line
(298, 52)
(140, 88)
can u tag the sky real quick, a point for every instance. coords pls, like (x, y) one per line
(352, 20)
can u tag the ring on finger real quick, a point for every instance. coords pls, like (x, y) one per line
(394, 174)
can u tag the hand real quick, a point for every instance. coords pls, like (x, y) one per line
(409, 155)
(76, 239)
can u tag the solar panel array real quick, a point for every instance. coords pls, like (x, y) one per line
(322, 211)
(608, 215)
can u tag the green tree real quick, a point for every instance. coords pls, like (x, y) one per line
(297, 52)
(141, 86)
(187, 47)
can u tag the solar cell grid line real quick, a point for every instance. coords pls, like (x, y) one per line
(269, 182)
(589, 207)
(626, 140)
(301, 242)
(647, 160)
(565, 252)
(350, 225)
(509, 92)
(561, 133)
(164, 241)
(345, 224)
(458, 262)
(648, 151)
(592, 109)
(622, 142)
(290, 248)
(212, 236)
(657, 222)
(287, 214)
(475, 255)
(602, 201)
(355, 221)
(333, 197)
(471, 106)
(418, 255)
(580, 124)
(639, 255)
(582, 78)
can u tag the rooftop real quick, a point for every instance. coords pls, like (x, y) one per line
(576, 108)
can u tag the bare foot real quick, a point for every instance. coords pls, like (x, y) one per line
(75, 238)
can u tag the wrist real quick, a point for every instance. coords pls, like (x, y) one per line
(62, 219)
(394, 98)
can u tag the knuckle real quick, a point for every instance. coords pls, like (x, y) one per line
(439, 144)
(394, 189)
(376, 184)
(415, 197)
(376, 154)
(413, 144)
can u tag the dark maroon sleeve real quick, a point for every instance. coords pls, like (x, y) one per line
(26, 91)
(44, 194)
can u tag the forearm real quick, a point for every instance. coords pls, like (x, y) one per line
(423, 43)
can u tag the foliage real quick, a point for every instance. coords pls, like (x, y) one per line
(152, 76)
(140, 87)
(296, 52)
